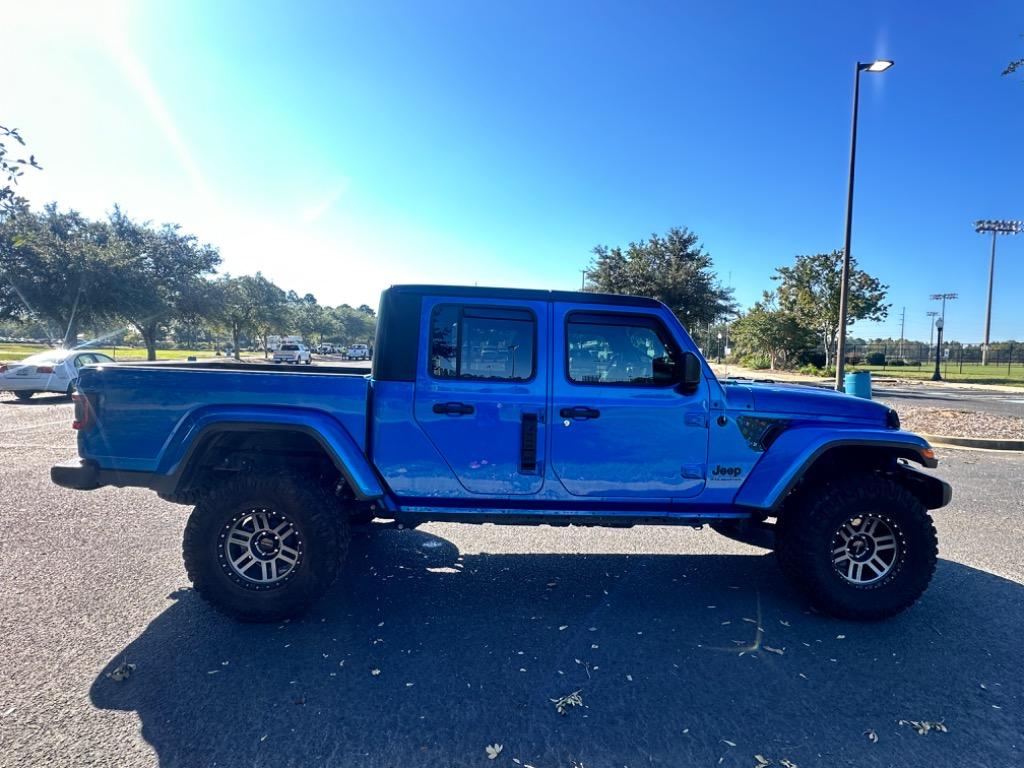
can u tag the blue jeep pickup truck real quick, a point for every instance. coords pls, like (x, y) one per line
(510, 406)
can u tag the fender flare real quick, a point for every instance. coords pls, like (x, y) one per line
(343, 451)
(796, 450)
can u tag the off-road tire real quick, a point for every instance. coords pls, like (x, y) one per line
(323, 536)
(813, 518)
(23, 395)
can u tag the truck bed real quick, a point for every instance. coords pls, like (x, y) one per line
(144, 412)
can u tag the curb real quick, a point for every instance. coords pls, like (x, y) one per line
(990, 444)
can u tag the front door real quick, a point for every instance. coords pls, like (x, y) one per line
(481, 391)
(620, 426)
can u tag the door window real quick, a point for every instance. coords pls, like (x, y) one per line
(618, 349)
(482, 343)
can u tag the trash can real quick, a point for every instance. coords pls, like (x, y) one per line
(858, 384)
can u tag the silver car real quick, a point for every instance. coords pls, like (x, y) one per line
(53, 371)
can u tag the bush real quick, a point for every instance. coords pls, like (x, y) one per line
(812, 358)
(810, 370)
(876, 358)
(755, 362)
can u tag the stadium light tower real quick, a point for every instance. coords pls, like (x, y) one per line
(996, 227)
(880, 65)
(932, 314)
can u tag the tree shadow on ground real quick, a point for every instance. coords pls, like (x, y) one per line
(672, 656)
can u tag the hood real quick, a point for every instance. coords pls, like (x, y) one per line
(803, 400)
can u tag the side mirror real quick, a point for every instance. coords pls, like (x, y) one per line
(690, 373)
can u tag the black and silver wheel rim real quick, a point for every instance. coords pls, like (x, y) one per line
(260, 549)
(866, 549)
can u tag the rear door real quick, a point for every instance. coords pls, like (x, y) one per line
(620, 425)
(481, 391)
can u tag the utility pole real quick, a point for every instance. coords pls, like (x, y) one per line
(996, 227)
(583, 279)
(903, 320)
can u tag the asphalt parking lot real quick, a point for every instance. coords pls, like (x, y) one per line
(1004, 403)
(687, 649)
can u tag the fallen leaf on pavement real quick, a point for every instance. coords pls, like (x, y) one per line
(924, 726)
(493, 750)
(573, 699)
(121, 672)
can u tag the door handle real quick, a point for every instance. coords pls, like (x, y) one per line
(453, 409)
(579, 412)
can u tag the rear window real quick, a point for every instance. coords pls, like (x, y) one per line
(289, 347)
(470, 342)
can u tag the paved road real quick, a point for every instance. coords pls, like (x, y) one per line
(475, 629)
(953, 398)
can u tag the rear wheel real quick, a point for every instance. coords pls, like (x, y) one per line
(23, 395)
(264, 548)
(861, 548)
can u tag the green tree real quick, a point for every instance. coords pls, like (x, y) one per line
(11, 169)
(269, 307)
(355, 326)
(234, 308)
(772, 332)
(810, 291)
(674, 269)
(159, 268)
(57, 267)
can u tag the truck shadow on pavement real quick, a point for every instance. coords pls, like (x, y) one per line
(423, 657)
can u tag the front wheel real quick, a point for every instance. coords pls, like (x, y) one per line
(861, 548)
(264, 548)
(23, 395)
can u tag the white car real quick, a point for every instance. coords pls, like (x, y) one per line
(53, 371)
(357, 352)
(293, 353)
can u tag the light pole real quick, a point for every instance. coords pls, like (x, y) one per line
(879, 65)
(996, 227)
(719, 347)
(938, 349)
(943, 297)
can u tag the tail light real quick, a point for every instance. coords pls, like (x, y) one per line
(83, 412)
(44, 369)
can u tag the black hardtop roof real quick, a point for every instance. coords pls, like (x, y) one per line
(525, 294)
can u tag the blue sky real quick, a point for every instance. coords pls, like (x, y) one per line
(341, 148)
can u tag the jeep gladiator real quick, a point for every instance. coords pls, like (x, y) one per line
(510, 406)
